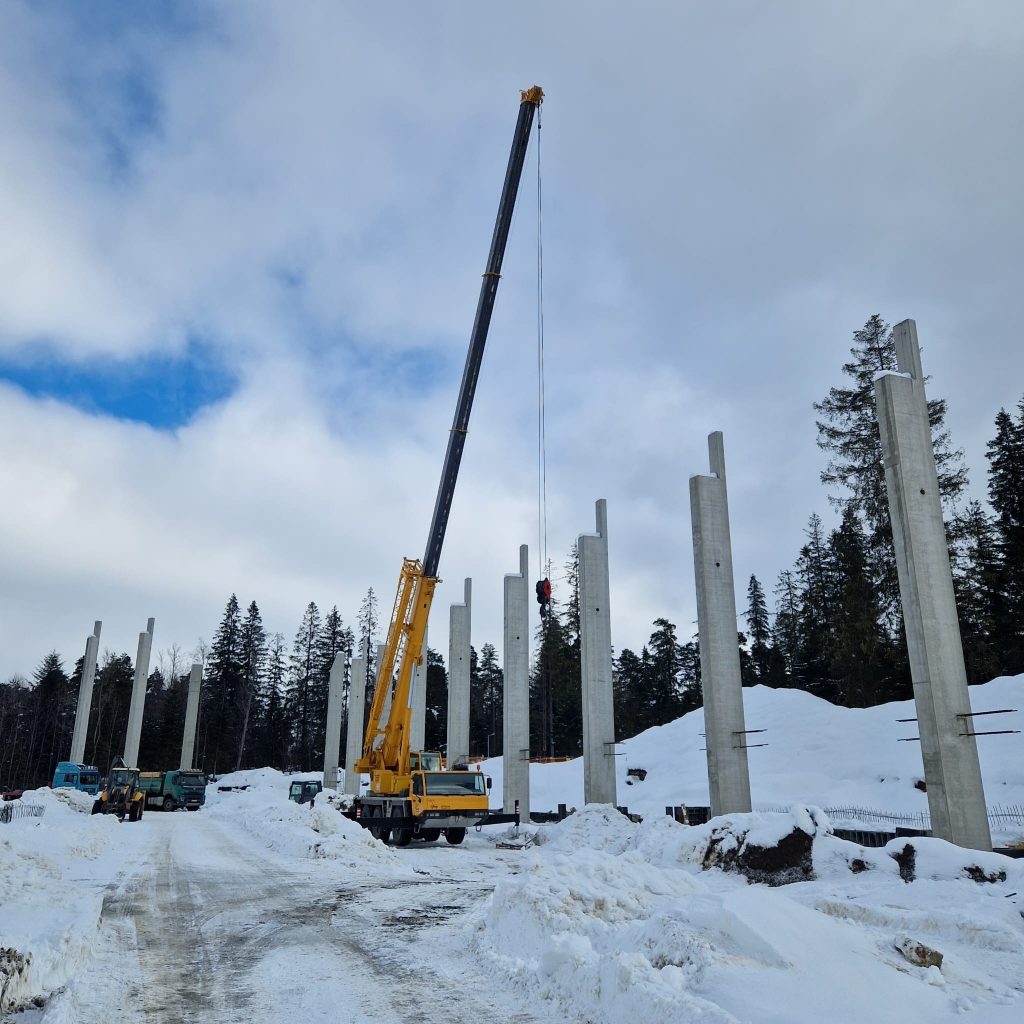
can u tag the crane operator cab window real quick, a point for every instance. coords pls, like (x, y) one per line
(428, 761)
(454, 784)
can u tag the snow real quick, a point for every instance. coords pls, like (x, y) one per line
(602, 920)
(816, 754)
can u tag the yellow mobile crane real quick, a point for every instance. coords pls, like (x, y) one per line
(411, 794)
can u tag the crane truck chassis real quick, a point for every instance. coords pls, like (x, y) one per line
(411, 794)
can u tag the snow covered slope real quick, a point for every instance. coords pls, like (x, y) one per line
(816, 753)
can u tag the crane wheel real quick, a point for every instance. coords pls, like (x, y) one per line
(381, 832)
(454, 835)
(430, 835)
(400, 836)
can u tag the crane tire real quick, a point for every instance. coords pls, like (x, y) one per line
(454, 836)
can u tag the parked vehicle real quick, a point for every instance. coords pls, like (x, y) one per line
(167, 791)
(71, 775)
(305, 790)
(121, 795)
(11, 794)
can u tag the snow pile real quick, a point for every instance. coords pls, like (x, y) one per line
(48, 920)
(616, 921)
(296, 830)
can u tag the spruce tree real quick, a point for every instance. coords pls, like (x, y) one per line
(304, 671)
(759, 631)
(848, 431)
(1006, 494)
(980, 595)
(253, 643)
(221, 693)
(861, 663)
(435, 730)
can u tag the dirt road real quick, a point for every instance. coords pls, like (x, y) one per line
(207, 930)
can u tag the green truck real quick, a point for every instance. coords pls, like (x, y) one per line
(167, 791)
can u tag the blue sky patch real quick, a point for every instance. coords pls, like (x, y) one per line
(160, 390)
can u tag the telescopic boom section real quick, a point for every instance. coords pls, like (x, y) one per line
(531, 99)
(386, 743)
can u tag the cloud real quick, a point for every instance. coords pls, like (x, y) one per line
(729, 193)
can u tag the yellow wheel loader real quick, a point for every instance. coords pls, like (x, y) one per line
(121, 795)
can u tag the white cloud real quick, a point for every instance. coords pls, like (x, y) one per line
(729, 193)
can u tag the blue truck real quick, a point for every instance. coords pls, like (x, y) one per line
(71, 775)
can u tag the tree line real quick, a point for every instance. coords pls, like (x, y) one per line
(835, 629)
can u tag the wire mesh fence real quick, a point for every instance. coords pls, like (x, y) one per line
(1000, 816)
(16, 809)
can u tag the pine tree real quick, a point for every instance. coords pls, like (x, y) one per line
(486, 687)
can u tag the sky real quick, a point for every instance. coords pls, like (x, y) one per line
(240, 259)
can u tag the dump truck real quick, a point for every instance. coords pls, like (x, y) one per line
(408, 800)
(167, 791)
(121, 795)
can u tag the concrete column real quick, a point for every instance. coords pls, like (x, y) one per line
(516, 724)
(596, 664)
(332, 738)
(188, 742)
(418, 702)
(356, 720)
(458, 678)
(138, 704)
(81, 731)
(728, 774)
(956, 795)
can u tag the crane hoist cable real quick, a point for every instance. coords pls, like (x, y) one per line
(543, 585)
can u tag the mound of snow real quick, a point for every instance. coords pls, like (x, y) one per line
(47, 918)
(614, 921)
(264, 811)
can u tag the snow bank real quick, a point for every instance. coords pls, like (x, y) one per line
(616, 921)
(48, 920)
(264, 811)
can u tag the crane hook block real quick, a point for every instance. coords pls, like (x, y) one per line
(534, 95)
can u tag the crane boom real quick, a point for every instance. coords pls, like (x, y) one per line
(386, 742)
(531, 99)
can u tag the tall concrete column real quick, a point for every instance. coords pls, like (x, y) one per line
(956, 795)
(458, 678)
(356, 719)
(138, 704)
(418, 702)
(188, 742)
(516, 723)
(728, 774)
(81, 731)
(596, 664)
(332, 738)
